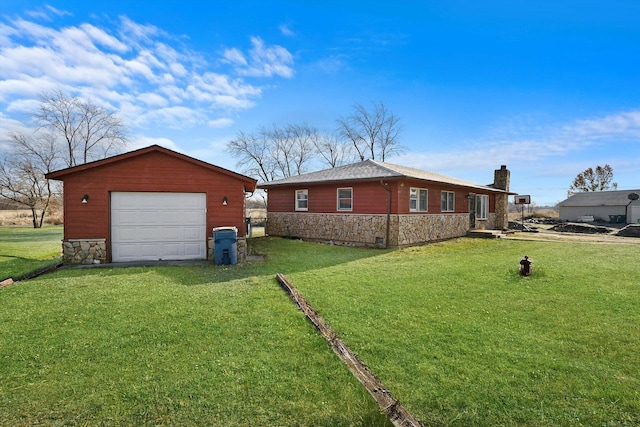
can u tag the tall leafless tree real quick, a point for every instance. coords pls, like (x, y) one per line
(89, 132)
(254, 154)
(332, 150)
(22, 174)
(276, 152)
(293, 148)
(373, 132)
(70, 132)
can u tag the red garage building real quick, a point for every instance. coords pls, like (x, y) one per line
(149, 204)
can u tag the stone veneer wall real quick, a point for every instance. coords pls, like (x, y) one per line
(415, 229)
(84, 251)
(359, 230)
(370, 230)
(241, 247)
(487, 224)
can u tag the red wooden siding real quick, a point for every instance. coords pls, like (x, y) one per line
(155, 172)
(370, 197)
(367, 198)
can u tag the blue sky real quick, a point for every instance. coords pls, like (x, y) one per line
(548, 88)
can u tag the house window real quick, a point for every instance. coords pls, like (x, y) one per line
(345, 199)
(302, 200)
(447, 199)
(482, 207)
(418, 199)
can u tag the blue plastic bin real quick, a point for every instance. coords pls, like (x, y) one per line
(225, 246)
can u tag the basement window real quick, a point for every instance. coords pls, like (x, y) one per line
(302, 200)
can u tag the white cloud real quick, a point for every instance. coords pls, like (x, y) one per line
(523, 143)
(286, 31)
(104, 39)
(332, 64)
(623, 124)
(234, 56)
(46, 13)
(176, 117)
(263, 60)
(137, 33)
(9, 125)
(141, 141)
(267, 61)
(153, 99)
(138, 70)
(220, 123)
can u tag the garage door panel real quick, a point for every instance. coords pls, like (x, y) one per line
(172, 233)
(193, 233)
(154, 226)
(191, 249)
(149, 250)
(171, 250)
(175, 217)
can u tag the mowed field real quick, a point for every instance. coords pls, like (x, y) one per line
(451, 329)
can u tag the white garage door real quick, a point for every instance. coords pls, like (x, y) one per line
(158, 226)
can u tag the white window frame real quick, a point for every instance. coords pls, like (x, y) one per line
(447, 201)
(482, 206)
(338, 198)
(414, 197)
(304, 193)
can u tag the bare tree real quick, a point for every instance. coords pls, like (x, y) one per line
(254, 155)
(278, 152)
(374, 133)
(22, 174)
(89, 131)
(593, 180)
(70, 132)
(331, 150)
(293, 148)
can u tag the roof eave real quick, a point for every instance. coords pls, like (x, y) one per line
(60, 174)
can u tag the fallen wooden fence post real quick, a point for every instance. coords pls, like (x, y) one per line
(396, 413)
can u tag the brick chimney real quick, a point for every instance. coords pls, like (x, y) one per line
(501, 178)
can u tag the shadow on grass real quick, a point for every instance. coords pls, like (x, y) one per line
(280, 255)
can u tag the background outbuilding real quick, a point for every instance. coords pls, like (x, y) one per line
(606, 206)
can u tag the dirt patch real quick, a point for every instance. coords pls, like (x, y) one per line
(571, 227)
(631, 230)
(550, 229)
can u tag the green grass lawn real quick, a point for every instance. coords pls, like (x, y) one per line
(451, 329)
(25, 249)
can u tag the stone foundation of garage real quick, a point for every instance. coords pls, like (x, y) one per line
(241, 243)
(84, 251)
(94, 251)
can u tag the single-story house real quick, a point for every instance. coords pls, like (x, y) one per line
(378, 204)
(618, 206)
(149, 204)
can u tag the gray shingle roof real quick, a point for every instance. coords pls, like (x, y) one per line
(600, 198)
(371, 170)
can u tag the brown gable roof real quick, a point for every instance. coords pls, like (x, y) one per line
(250, 183)
(369, 170)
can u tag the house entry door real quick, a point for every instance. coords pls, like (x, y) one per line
(472, 211)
